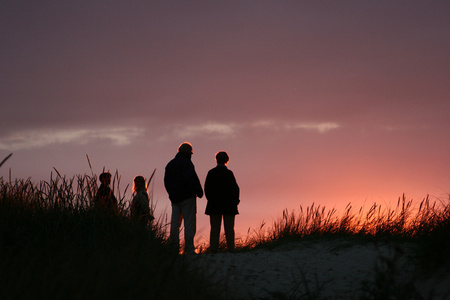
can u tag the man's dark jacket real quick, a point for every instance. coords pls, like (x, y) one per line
(181, 180)
(221, 191)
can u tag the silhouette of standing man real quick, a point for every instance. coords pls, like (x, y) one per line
(222, 193)
(183, 186)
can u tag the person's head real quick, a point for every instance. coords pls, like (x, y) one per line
(139, 183)
(105, 178)
(222, 158)
(186, 149)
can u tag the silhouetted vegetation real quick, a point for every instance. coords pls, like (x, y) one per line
(426, 226)
(419, 237)
(54, 245)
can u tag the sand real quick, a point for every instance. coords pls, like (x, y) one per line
(318, 269)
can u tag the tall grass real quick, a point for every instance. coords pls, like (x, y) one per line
(53, 245)
(426, 226)
(404, 220)
(418, 234)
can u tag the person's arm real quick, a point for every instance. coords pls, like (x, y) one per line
(234, 188)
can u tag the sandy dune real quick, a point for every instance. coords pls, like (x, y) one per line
(323, 269)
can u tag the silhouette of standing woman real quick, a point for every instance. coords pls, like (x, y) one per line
(222, 193)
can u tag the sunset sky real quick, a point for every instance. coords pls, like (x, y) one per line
(328, 102)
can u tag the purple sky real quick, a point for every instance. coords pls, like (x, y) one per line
(315, 101)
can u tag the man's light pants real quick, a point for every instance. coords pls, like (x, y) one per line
(187, 210)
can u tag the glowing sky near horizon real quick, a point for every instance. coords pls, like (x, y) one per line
(328, 102)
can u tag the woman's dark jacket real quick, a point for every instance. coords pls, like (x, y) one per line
(222, 192)
(181, 180)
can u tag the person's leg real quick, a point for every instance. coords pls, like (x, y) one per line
(228, 222)
(175, 224)
(214, 235)
(189, 211)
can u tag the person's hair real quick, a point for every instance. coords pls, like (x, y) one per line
(222, 157)
(104, 175)
(185, 148)
(139, 183)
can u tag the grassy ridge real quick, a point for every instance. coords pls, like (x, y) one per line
(427, 226)
(53, 245)
(419, 237)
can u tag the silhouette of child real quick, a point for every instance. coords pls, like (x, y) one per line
(140, 210)
(105, 199)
